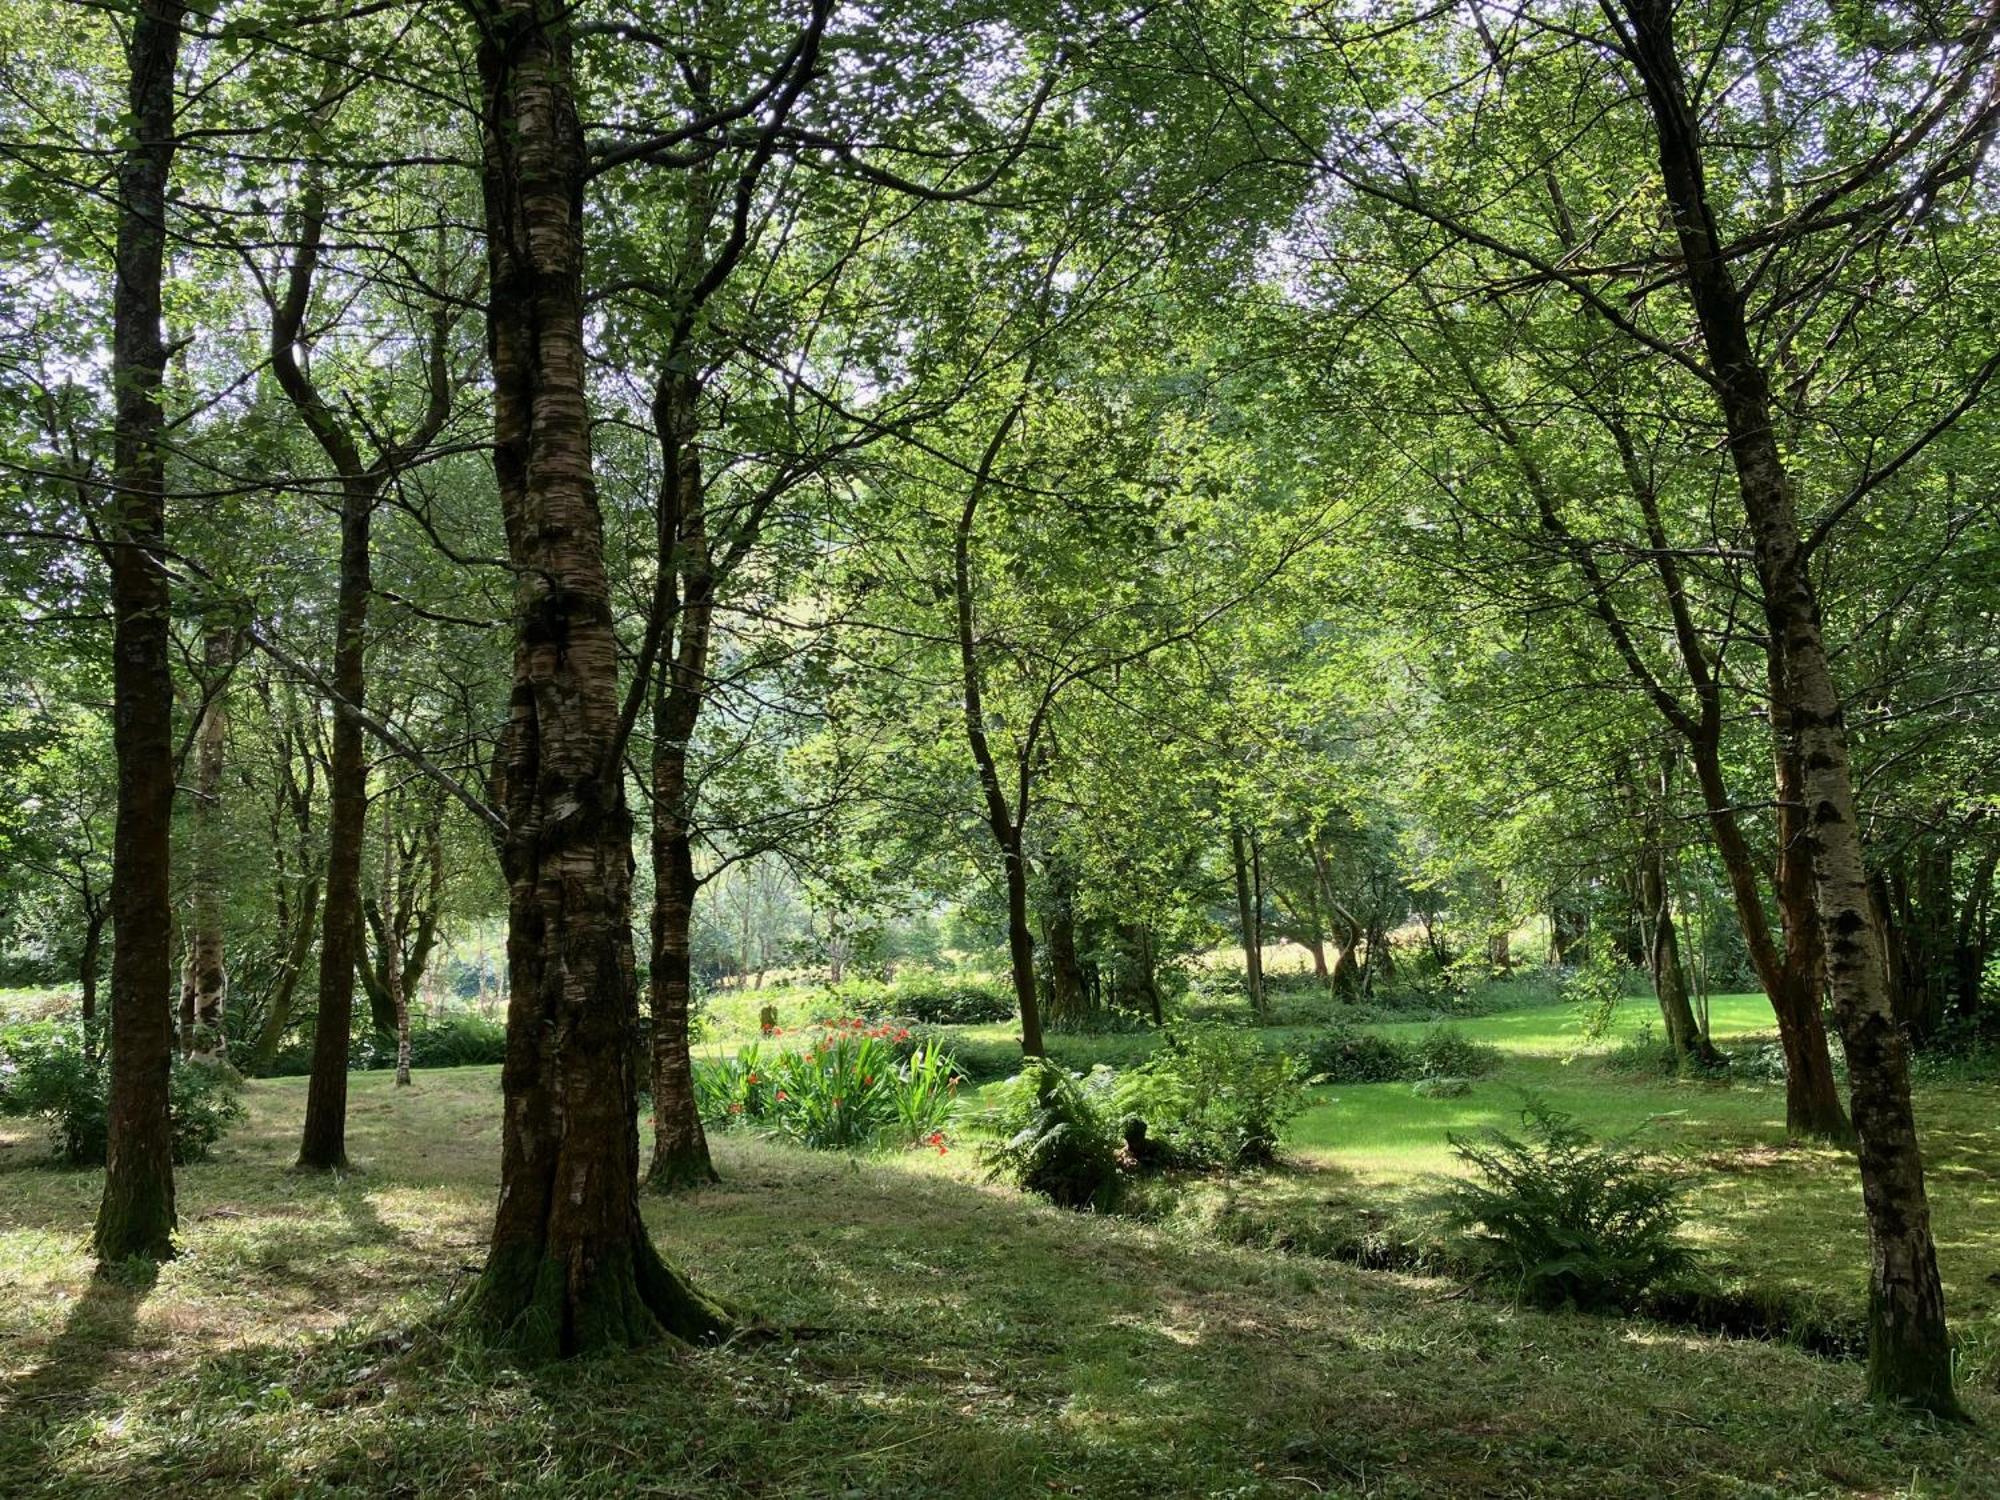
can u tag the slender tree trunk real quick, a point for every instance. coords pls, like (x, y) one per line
(685, 601)
(1021, 943)
(1247, 923)
(680, 1144)
(206, 1043)
(184, 1012)
(1909, 1348)
(392, 902)
(1007, 824)
(1670, 987)
(1789, 977)
(571, 1268)
(323, 1144)
(95, 912)
(1069, 997)
(136, 1217)
(271, 1035)
(1968, 952)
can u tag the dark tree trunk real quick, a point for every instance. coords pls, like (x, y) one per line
(207, 966)
(1247, 922)
(1069, 995)
(271, 1035)
(1021, 944)
(1968, 950)
(571, 1267)
(680, 1144)
(1569, 926)
(136, 1217)
(1670, 987)
(323, 1144)
(95, 913)
(1909, 1348)
(684, 605)
(1007, 823)
(1140, 968)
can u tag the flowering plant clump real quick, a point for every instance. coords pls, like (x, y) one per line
(843, 1086)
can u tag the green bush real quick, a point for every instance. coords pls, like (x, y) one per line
(1213, 1096)
(1059, 1135)
(461, 1039)
(1340, 1055)
(1446, 1052)
(933, 999)
(203, 1103)
(1567, 1219)
(847, 1088)
(44, 1074)
(457, 1041)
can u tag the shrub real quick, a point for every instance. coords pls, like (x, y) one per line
(934, 999)
(1059, 1135)
(44, 1073)
(1446, 1052)
(846, 1088)
(1213, 1096)
(1338, 1055)
(457, 1041)
(1568, 1219)
(203, 1102)
(731, 1092)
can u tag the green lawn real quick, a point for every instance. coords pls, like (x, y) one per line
(962, 1340)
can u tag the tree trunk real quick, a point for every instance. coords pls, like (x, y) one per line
(206, 1043)
(1968, 951)
(571, 1267)
(184, 1012)
(1007, 824)
(680, 1144)
(1136, 941)
(94, 915)
(323, 1144)
(1021, 945)
(1247, 923)
(136, 1217)
(271, 1035)
(394, 903)
(684, 602)
(1909, 1348)
(1670, 987)
(1789, 978)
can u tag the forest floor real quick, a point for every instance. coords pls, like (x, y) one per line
(958, 1338)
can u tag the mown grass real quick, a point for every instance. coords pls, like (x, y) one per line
(1779, 1222)
(955, 1340)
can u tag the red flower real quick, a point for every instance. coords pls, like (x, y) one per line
(736, 1109)
(782, 1096)
(753, 1077)
(867, 1079)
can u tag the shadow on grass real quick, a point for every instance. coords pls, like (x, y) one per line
(99, 1327)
